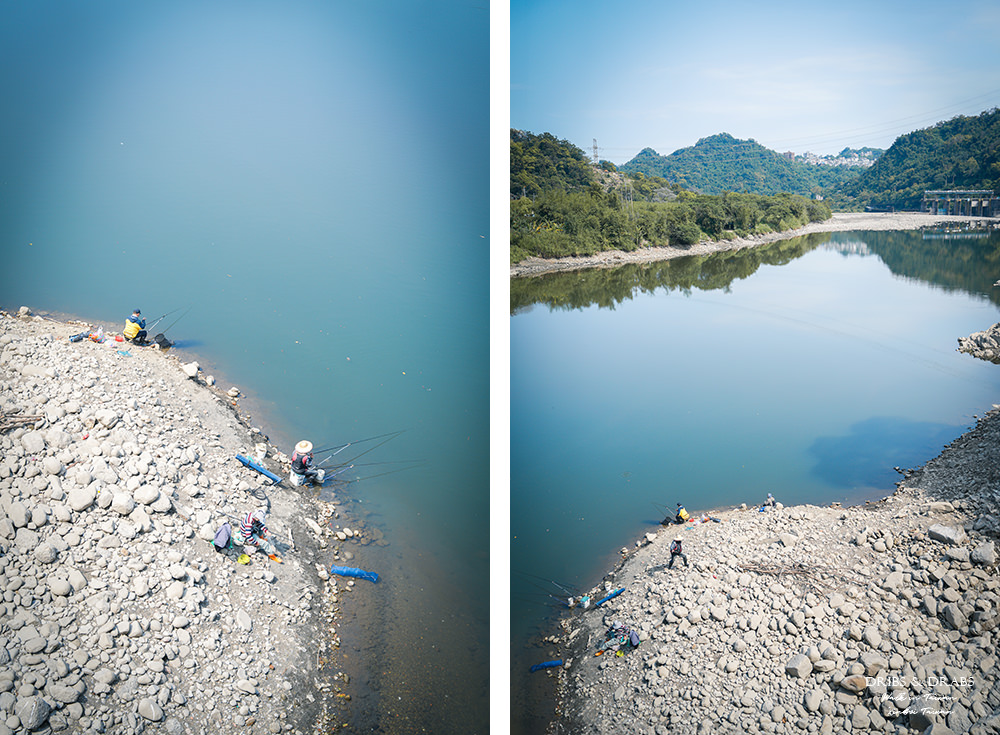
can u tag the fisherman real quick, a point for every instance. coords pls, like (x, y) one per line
(769, 503)
(681, 516)
(254, 533)
(302, 469)
(135, 329)
(675, 551)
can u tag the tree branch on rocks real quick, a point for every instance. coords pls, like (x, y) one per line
(811, 575)
(13, 421)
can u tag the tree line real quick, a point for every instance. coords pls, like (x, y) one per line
(558, 223)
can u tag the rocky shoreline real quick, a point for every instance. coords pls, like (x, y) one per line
(839, 222)
(117, 466)
(877, 618)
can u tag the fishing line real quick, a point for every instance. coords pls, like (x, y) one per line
(175, 320)
(567, 588)
(342, 447)
(873, 341)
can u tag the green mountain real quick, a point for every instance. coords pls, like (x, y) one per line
(544, 163)
(722, 163)
(961, 153)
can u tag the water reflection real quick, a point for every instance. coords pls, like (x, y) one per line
(953, 264)
(868, 455)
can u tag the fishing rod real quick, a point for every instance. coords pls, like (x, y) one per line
(160, 319)
(391, 437)
(342, 447)
(175, 320)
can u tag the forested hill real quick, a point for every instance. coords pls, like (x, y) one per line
(722, 163)
(544, 163)
(961, 153)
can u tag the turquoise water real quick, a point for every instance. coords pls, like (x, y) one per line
(809, 369)
(310, 180)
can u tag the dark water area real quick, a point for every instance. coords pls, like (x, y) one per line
(307, 185)
(810, 368)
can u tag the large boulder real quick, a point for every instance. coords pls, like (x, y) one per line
(953, 535)
(985, 554)
(33, 712)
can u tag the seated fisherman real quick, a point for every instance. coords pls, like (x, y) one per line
(254, 533)
(135, 328)
(682, 515)
(302, 469)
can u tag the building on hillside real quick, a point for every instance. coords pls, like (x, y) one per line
(963, 202)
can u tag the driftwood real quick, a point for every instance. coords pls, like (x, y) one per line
(811, 575)
(13, 421)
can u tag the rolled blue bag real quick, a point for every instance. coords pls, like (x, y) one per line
(354, 572)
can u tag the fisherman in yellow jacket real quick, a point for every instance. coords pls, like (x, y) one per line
(135, 328)
(682, 515)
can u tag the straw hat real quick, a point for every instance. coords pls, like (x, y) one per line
(304, 447)
(678, 538)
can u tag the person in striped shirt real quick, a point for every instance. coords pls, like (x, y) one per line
(254, 533)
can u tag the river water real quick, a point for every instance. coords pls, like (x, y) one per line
(306, 184)
(809, 368)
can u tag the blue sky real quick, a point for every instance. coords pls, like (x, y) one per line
(791, 75)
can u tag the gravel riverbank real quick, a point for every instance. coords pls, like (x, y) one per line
(877, 618)
(839, 222)
(117, 466)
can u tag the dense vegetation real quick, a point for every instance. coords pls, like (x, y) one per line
(961, 153)
(626, 212)
(723, 163)
(544, 163)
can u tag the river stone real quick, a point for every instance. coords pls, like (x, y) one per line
(150, 710)
(812, 700)
(954, 616)
(64, 694)
(33, 712)
(59, 586)
(146, 494)
(243, 620)
(953, 535)
(922, 712)
(122, 503)
(799, 666)
(33, 442)
(52, 466)
(985, 554)
(44, 553)
(855, 683)
(872, 637)
(18, 514)
(25, 539)
(81, 498)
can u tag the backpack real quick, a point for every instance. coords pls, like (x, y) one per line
(222, 537)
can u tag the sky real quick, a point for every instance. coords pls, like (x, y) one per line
(793, 76)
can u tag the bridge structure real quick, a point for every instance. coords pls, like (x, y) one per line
(962, 202)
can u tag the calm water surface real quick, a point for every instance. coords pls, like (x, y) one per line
(809, 369)
(310, 181)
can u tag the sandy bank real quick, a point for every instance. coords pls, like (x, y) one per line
(840, 222)
(116, 614)
(877, 618)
